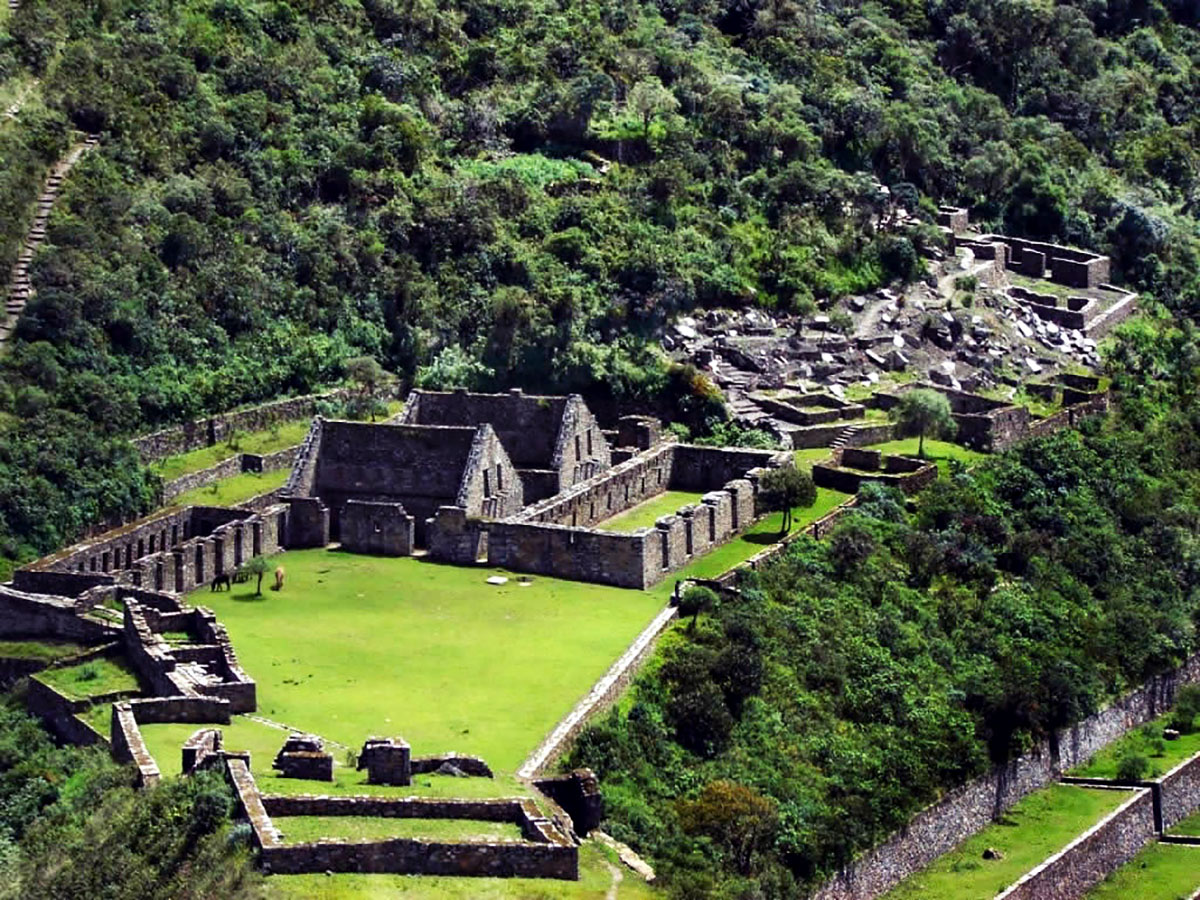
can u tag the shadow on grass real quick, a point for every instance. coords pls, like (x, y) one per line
(763, 538)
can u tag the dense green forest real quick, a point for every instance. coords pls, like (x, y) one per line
(858, 677)
(72, 825)
(489, 193)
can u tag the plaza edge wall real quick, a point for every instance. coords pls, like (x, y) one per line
(962, 812)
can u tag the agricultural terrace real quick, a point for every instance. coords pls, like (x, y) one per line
(644, 515)
(1160, 872)
(1029, 832)
(233, 490)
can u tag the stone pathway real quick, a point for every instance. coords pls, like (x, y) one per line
(20, 289)
(627, 855)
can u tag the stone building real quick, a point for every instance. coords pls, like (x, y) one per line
(391, 478)
(554, 442)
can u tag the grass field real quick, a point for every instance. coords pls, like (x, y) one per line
(940, 452)
(287, 434)
(1160, 872)
(231, 491)
(1189, 826)
(645, 514)
(1040, 825)
(91, 679)
(301, 829)
(359, 645)
(596, 867)
(49, 651)
(1145, 741)
(806, 458)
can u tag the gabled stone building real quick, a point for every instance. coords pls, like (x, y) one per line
(554, 442)
(391, 478)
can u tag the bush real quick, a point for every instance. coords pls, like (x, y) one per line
(1132, 767)
(1187, 706)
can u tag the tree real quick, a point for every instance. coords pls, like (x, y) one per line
(737, 817)
(256, 566)
(784, 489)
(924, 413)
(368, 375)
(649, 99)
(806, 308)
(695, 600)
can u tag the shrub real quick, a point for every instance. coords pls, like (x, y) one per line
(88, 672)
(1132, 767)
(1187, 706)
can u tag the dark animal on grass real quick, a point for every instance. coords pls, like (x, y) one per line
(222, 580)
(279, 573)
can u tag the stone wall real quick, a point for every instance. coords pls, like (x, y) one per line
(235, 465)
(513, 809)
(58, 714)
(129, 747)
(1068, 265)
(1092, 856)
(965, 810)
(473, 766)
(1179, 792)
(908, 475)
(214, 429)
(578, 554)
(31, 615)
(384, 529)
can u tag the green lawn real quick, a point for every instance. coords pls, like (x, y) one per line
(645, 514)
(48, 651)
(90, 679)
(940, 452)
(1040, 825)
(1189, 826)
(230, 491)
(1160, 872)
(287, 434)
(358, 645)
(806, 458)
(302, 829)
(99, 716)
(1145, 741)
(596, 865)
(283, 435)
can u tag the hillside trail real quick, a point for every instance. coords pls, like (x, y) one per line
(20, 289)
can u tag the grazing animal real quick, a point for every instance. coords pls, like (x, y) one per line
(279, 573)
(222, 580)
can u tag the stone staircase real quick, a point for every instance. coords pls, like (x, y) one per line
(843, 437)
(20, 288)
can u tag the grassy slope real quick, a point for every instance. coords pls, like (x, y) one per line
(1142, 741)
(940, 452)
(1041, 824)
(285, 435)
(1160, 872)
(644, 514)
(90, 679)
(1189, 826)
(43, 650)
(231, 491)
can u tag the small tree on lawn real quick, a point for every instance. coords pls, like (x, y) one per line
(924, 413)
(256, 566)
(784, 489)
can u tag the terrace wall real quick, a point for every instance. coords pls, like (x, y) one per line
(214, 429)
(128, 745)
(1091, 857)
(1179, 792)
(30, 615)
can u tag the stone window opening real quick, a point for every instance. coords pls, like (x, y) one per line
(499, 477)
(610, 500)
(659, 471)
(487, 483)
(141, 548)
(153, 541)
(578, 448)
(199, 564)
(688, 536)
(712, 526)
(666, 553)
(174, 535)
(589, 441)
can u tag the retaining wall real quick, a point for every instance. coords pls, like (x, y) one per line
(129, 747)
(1092, 856)
(1179, 792)
(214, 429)
(965, 810)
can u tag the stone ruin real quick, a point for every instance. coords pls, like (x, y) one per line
(390, 761)
(518, 481)
(304, 756)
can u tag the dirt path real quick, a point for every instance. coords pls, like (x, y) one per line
(20, 289)
(617, 877)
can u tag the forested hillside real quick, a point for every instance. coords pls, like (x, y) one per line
(522, 192)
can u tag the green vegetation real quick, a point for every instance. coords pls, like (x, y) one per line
(357, 645)
(597, 866)
(940, 452)
(72, 825)
(300, 829)
(924, 413)
(1160, 872)
(1147, 742)
(907, 653)
(231, 491)
(92, 678)
(806, 458)
(1040, 825)
(644, 514)
(284, 435)
(41, 649)
(1189, 826)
